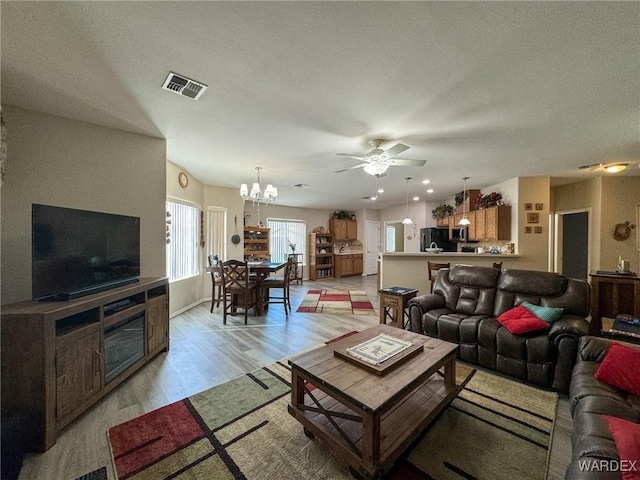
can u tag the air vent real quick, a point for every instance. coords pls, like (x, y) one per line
(184, 86)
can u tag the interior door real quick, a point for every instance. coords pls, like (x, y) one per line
(575, 245)
(372, 247)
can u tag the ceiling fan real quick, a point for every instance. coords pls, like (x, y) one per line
(377, 161)
(614, 167)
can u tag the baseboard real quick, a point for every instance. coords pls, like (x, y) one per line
(189, 307)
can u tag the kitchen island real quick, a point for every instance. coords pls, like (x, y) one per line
(406, 269)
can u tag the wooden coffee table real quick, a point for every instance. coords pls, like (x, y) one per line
(369, 419)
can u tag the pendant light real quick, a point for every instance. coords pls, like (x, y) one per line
(407, 220)
(464, 220)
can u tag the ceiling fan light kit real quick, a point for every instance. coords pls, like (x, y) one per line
(377, 161)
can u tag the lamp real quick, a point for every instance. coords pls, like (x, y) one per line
(257, 195)
(407, 220)
(375, 168)
(464, 220)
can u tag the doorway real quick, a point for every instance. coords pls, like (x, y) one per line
(572, 244)
(393, 237)
(372, 247)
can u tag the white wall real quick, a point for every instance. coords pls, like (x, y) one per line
(62, 162)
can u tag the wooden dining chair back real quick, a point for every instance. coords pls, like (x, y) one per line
(279, 282)
(497, 265)
(433, 271)
(238, 290)
(217, 282)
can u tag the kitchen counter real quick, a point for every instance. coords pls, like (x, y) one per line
(409, 269)
(348, 253)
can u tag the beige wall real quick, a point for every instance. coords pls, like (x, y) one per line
(188, 292)
(582, 196)
(620, 196)
(609, 200)
(57, 161)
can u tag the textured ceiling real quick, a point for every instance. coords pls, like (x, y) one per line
(487, 90)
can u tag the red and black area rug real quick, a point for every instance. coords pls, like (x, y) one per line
(242, 430)
(339, 302)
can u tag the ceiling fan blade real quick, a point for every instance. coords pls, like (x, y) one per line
(358, 157)
(407, 163)
(352, 168)
(397, 149)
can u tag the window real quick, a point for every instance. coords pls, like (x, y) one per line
(182, 250)
(391, 239)
(283, 232)
(217, 244)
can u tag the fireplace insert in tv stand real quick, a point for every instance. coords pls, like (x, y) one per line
(54, 364)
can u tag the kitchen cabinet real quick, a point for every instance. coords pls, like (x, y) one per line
(487, 224)
(349, 264)
(343, 229)
(493, 223)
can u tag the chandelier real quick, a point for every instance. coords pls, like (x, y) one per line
(256, 195)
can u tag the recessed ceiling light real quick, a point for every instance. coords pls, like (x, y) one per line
(415, 199)
(381, 190)
(426, 181)
(430, 190)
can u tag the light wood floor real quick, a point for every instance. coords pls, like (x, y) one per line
(204, 353)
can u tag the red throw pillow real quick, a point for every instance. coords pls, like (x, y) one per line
(520, 320)
(621, 368)
(626, 434)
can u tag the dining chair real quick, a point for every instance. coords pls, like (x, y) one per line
(217, 282)
(497, 265)
(238, 290)
(433, 268)
(282, 282)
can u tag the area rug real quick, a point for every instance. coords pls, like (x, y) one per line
(340, 302)
(495, 429)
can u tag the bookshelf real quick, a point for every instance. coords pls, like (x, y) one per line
(321, 264)
(256, 242)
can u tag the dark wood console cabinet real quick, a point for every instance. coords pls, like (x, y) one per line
(60, 358)
(613, 294)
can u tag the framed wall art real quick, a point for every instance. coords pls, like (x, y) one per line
(527, 229)
(533, 217)
(537, 229)
(528, 206)
(539, 206)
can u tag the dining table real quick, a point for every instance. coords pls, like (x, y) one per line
(262, 269)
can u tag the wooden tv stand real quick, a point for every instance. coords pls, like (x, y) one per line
(53, 353)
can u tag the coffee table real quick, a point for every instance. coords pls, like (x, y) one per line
(368, 419)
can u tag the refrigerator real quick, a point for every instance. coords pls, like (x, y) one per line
(439, 236)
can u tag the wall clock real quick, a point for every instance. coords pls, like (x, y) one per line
(183, 179)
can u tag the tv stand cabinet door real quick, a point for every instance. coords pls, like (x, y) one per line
(78, 373)
(157, 324)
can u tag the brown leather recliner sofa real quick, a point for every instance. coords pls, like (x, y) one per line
(590, 399)
(466, 301)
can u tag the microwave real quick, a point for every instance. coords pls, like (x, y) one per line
(460, 234)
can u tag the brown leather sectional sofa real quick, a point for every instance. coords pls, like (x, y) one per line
(594, 451)
(466, 301)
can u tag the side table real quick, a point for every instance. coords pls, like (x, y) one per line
(393, 302)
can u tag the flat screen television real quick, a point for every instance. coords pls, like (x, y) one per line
(78, 252)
